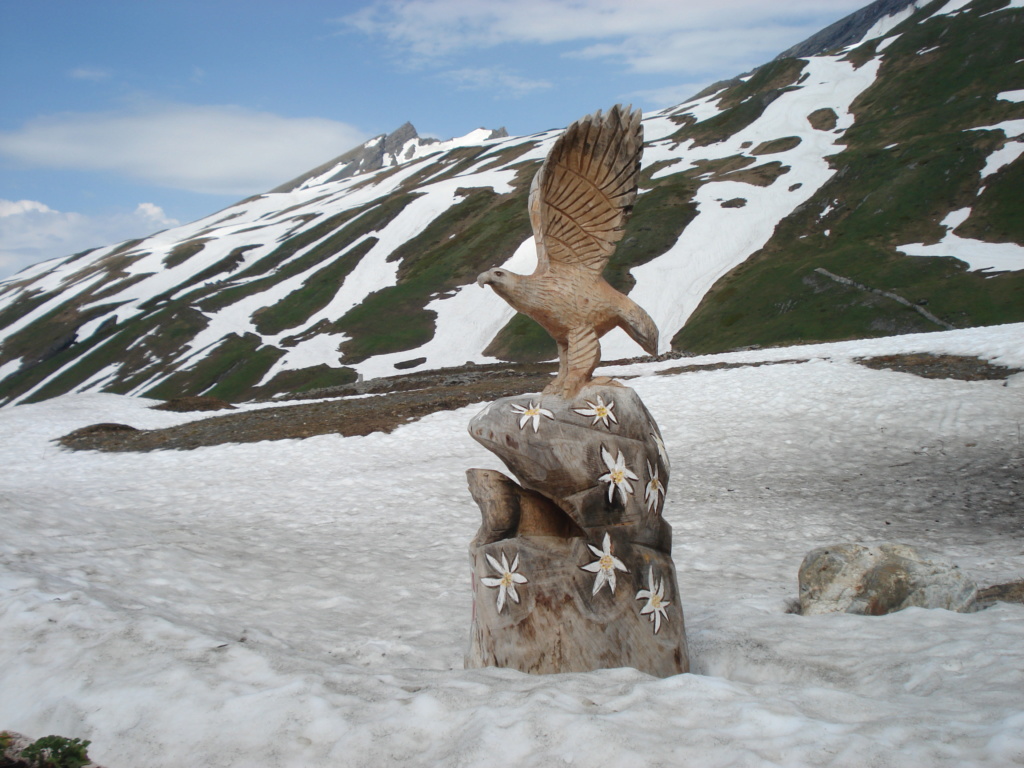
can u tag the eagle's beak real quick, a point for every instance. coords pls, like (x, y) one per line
(483, 279)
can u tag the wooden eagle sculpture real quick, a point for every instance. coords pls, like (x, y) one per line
(579, 202)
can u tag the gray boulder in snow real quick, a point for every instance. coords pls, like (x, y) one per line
(876, 580)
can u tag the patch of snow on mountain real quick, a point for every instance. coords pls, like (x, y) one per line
(321, 349)
(93, 381)
(1012, 129)
(99, 378)
(886, 43)
(887, 23)
(478, 137)
(11, 366)
(48, 306)
(657, 128)
(1015, 96)
(701, 109)
(977, 254)
(466, 323)
(372, 273)
(1001, 158)
(542, 143)
(951, 7)
(719, 239)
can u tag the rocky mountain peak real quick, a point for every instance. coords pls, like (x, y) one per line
(403, 143)
(848, 30)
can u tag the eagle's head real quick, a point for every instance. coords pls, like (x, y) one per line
(502, 281)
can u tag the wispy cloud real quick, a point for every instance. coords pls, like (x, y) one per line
(697, 50)
(94, 74)
(211, 149)
(31, 231)
(494, 80)
(664, 36)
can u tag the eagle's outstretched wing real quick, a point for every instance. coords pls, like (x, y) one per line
(583, 193)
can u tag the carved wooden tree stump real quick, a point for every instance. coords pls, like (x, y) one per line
(572, 570)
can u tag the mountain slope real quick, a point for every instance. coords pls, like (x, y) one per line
(793, 203)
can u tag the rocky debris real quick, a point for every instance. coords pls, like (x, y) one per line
(876, 580)
(723, 366)
(97, 432)
(194, 403)
(470, 374)
(403, 398)
(572, 570)
(931, 366)
(1013, 592)
(356, 416)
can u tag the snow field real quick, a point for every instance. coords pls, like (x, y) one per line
(306, 603)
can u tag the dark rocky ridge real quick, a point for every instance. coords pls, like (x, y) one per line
(847, 30)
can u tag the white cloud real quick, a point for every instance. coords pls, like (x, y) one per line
(31, 231)
(698, 50)
(18, 207)
(646, 35)
(211, 149)
(494, 80)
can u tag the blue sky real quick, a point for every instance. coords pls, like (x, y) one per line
(122, 117)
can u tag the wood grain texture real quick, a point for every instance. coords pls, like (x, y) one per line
(579, 202)
(558, 625)
(550, 533)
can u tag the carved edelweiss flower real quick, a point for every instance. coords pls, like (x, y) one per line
(600, 411)
(655, 597)
(533, 412)
(506, 583)
(618, 475)
(661, 449)
(654, 487)
(605, 566)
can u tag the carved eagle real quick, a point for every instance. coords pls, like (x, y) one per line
(579, 202)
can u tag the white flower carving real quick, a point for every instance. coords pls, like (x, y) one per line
(600, 411)
(654, 487)
(506, 583)
(533, 412)
(618, 475)
(661, 449)
(605, 566)
(655, 597)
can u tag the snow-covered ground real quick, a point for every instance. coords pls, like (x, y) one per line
(307, 603)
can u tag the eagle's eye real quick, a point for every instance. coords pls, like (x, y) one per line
(498, 273)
